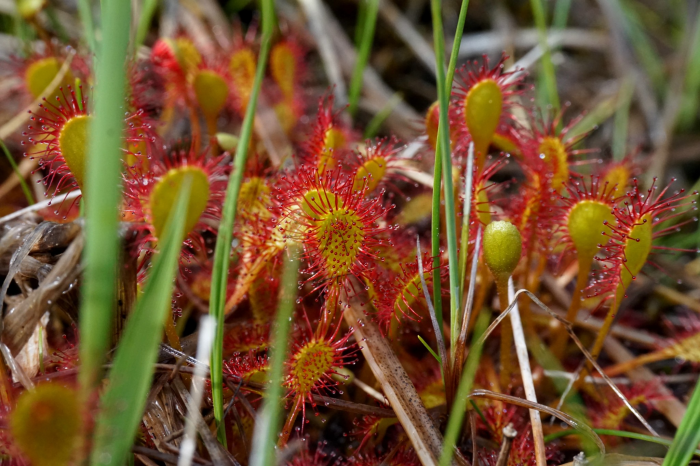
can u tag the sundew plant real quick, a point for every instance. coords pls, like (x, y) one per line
(349, 233)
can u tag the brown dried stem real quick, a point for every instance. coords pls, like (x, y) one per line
(397, 387)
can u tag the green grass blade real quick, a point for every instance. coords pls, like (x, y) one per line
(361, 14)
(443, 148)
(456, 43)
(437, 174)
(56, 24)
(451, 67)
(431, 351)
(369, 22)
(268, 422)
(688, 434)
(459, 407)
(643, 48)
(619, 142)
(595, 116)
(103, 193)
(147, 11)
(561, 14)
(222, 253)
(615, 433)
(85, 12)
(132, 371)
(550, 78)
(25, 188)
(689, 106)
(376, 122)
(435, 237)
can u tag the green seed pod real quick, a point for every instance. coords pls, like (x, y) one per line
(227, 141)
(502, 248)
(343, 375)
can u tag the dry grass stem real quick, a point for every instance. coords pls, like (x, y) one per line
(408, 34)
(526, 374)
(331, 64)
(398, 388)
(207, 324)
(669, 406)
(509, 434)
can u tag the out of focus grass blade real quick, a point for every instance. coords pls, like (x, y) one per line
(130, 378)
(369, 21)
(25, 189)
(85, 12)
(361, 13)
(103, 193)
(619, 142)
(268, 422)
(689, 105)
(643, 48)
(376, 122)
(688, 434)
(550, 78)
(222, 253)
(147, 11)
(597, 115)
(614, 433)
(561, 14)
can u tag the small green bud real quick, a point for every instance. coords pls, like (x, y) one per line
(343, 375)
(502, 248)
(227, 142)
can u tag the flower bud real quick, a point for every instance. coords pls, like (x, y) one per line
(502, 249)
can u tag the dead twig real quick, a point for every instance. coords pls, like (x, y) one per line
(355, 408)
(489, 42)
(403, 117)
(206, 339)
(397, 387)
(408, 34)
(672, 408)
(509, 434)
(170, 459)
(39, 206)
(526, 374)
(331, 64)
(19, 323)
(578, 343)
(219, 455)
(573, 423)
